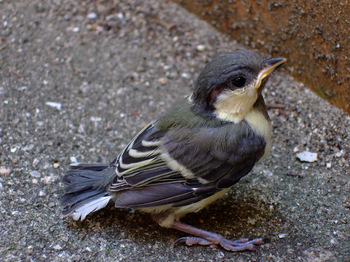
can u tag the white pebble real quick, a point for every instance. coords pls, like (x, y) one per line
(57, 247)
(56, 105)
(35, 174)
(333, 241)
(200, 48)
(92, 16)
(120, 16)
(73, 160)
(22, 88)
(95, 119)
(307, 156)
(13, 149)
(73, 29)
(185, 75)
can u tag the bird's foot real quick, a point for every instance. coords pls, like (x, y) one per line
(207, 238)
(242, 244)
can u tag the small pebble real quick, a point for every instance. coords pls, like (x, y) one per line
(185, 75)
(4, 170)
(200, 48)
(13, 149)
(220, 255)
(35, 174)
(49, 179)
(28, 147)
(30, 250)
(22, 88)
(92, 16)
(73, 160)
(163, 81)
(56, 105)
(57, 247)
(307, 156)
(120, 16)
(36, 161)
(95, 119)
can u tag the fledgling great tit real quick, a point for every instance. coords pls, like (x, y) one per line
(190, 156)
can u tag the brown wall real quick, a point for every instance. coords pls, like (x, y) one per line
(313, 35)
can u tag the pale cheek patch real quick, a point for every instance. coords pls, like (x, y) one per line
(234, 105)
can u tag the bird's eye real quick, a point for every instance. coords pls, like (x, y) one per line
(239, 81)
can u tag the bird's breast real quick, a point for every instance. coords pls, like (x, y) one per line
(261, 126)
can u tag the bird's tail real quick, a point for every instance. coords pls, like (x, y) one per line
(85, 188)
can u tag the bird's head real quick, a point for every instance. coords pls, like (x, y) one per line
(230, 84)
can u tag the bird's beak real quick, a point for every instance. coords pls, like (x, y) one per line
(268, 66)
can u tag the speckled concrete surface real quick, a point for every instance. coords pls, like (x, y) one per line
(74, 85)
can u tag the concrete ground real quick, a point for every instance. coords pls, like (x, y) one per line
(79, 78)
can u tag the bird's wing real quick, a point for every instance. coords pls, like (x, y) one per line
(140, 163)
(180, 166)
(221, 155)
(143, 177)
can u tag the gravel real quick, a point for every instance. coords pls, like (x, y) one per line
(79, 78)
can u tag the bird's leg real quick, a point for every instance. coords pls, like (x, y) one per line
(203, 237)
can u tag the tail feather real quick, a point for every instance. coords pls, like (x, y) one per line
(75, 200)
(85, 188)
(89, 207)
(84, 176)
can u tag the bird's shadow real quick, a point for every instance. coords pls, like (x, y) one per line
(233, 217)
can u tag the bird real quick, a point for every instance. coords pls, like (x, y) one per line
(188, 157)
